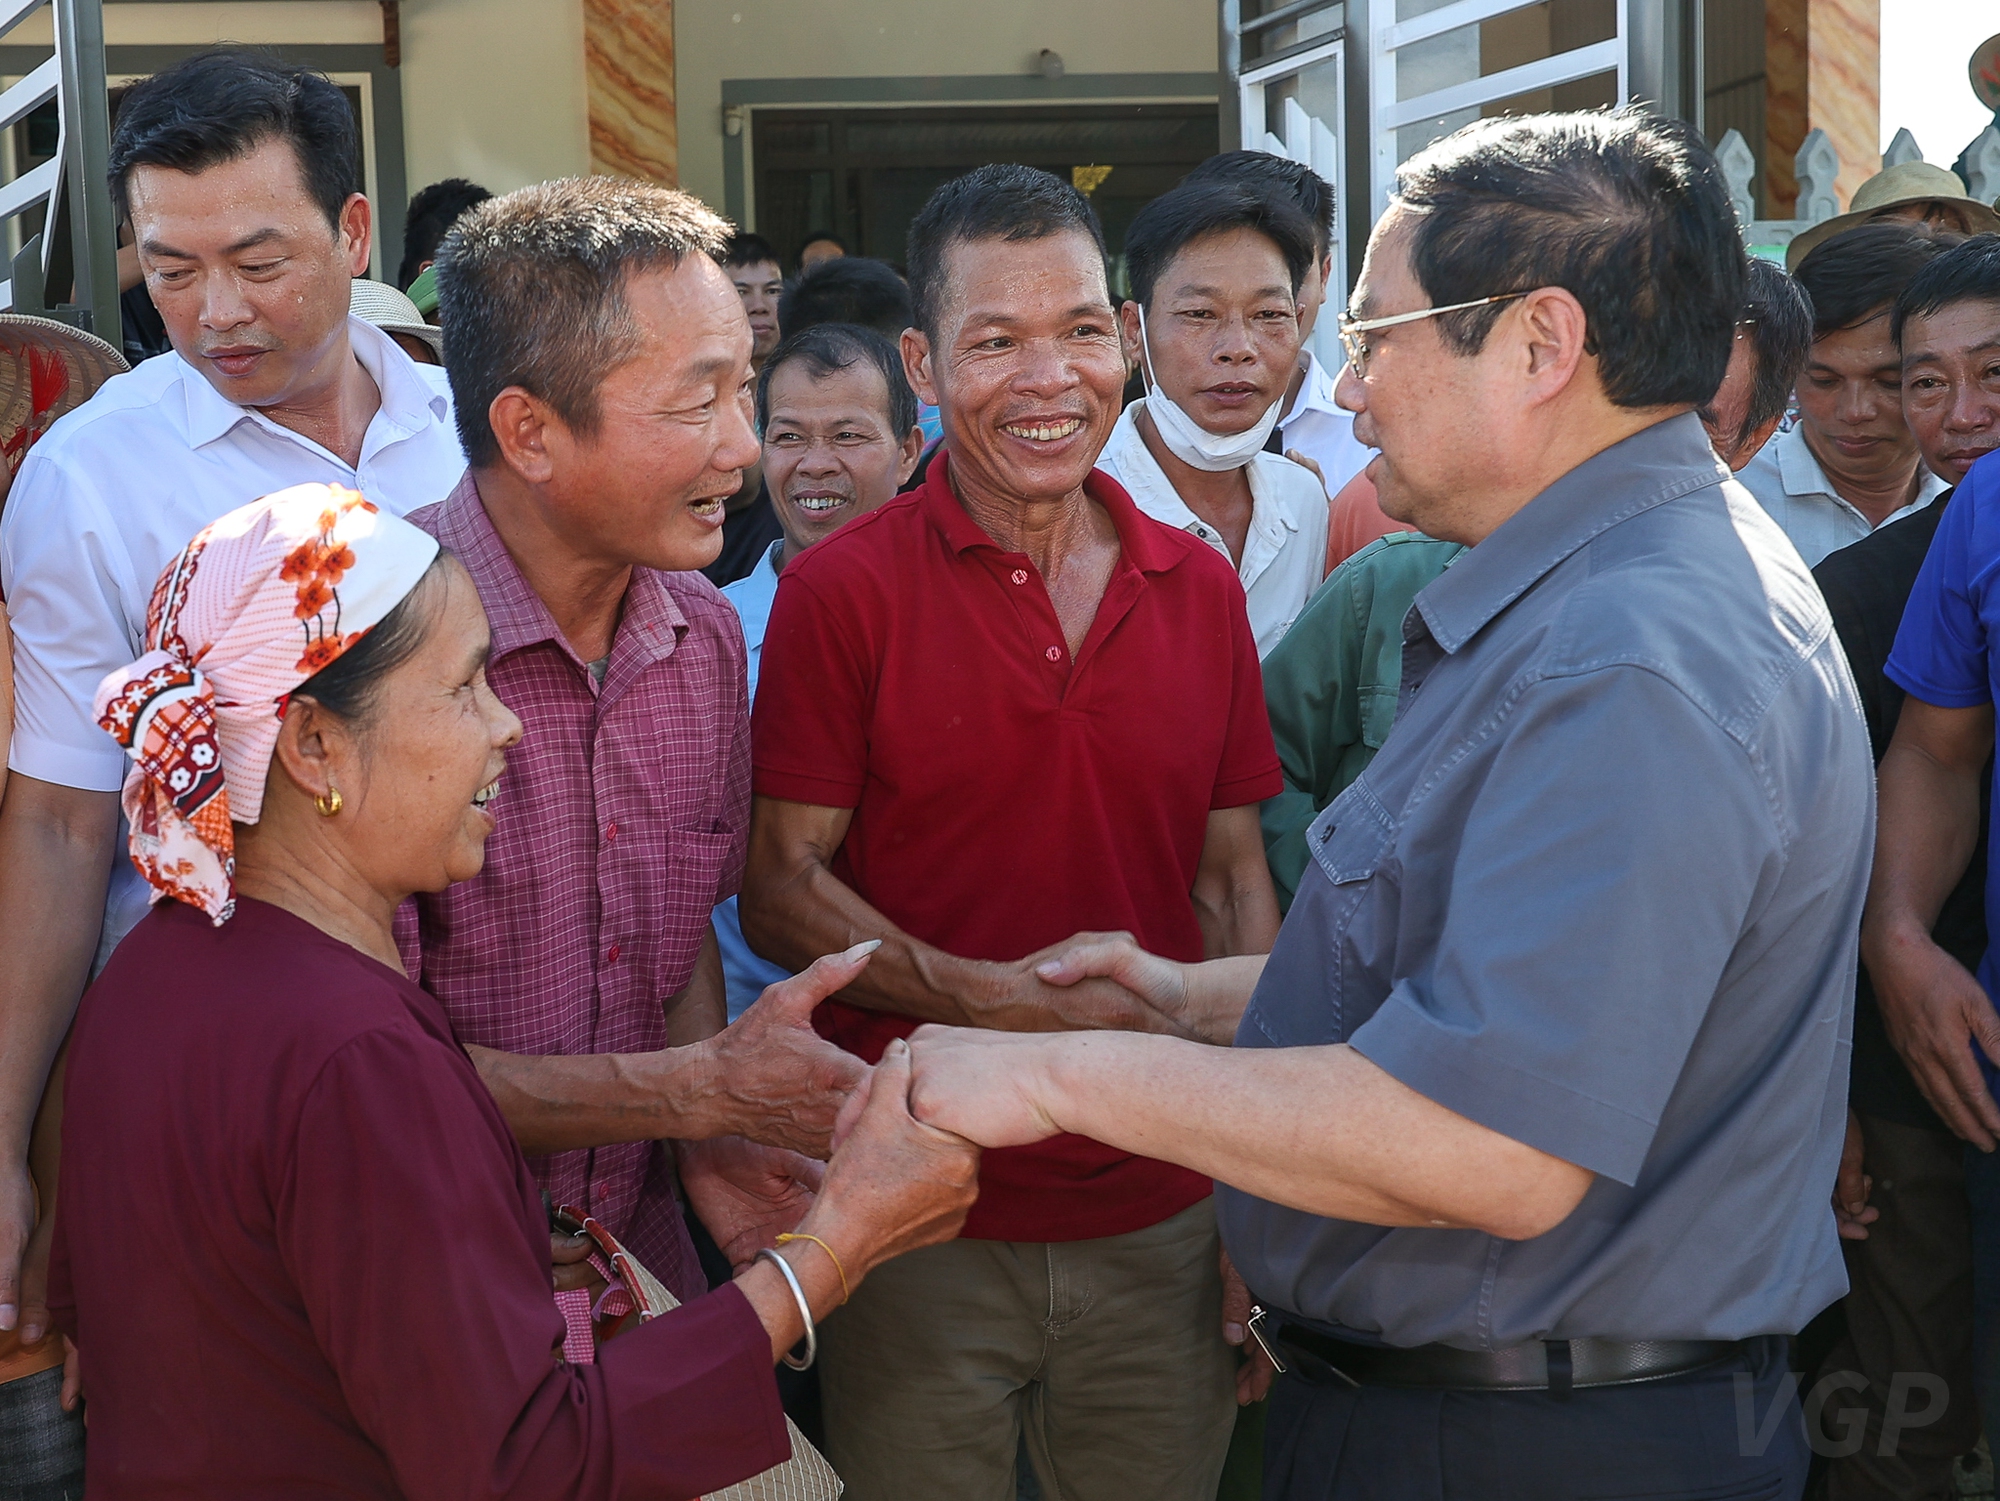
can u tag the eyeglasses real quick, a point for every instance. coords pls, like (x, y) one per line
(1352, 330)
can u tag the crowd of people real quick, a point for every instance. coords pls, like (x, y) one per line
(630, 863)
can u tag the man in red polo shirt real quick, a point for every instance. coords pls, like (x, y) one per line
(1000, 710)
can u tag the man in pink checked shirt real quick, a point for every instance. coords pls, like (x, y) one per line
(600, 362)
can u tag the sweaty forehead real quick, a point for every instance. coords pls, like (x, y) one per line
(263, 189)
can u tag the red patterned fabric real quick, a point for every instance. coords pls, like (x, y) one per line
(621, 822)
(261, 599)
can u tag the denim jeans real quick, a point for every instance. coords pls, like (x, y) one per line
(41, 1446)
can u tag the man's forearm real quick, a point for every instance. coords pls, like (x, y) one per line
(1242, 918)
(1320, 1129)
(701, 1009)
(1234, 902)
(55, 864)
(1927, 826)
(814, 912)
(565, 1104)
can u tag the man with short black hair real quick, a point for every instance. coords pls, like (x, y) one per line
(1312, 422)
(1002, 709)
(236, 171)
(430, 217)
(839, 423)
(1525, 1139)
(1213, 325)
(752, 264)
(846, 289)
(1773, 339)
(601, 363)
(1850, 465)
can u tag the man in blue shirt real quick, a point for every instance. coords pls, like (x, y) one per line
(840, 436)
(1940, 1017)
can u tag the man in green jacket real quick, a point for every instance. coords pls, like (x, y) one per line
(1331, 686)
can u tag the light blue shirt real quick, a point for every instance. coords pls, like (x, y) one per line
(744, 973)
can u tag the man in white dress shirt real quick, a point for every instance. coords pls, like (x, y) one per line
(237, 174)
(840, 437)
(1851, 463)
(1311, 423)
(1213, 324)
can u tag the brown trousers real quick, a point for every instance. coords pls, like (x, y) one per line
(1106, 1355)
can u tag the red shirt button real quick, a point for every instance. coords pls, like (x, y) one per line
(1054, 654)
(1020, 575)
(610, 831)
(601, 1192)
(612, 956)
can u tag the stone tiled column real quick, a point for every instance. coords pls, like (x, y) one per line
(628, 59)
(1823, 69)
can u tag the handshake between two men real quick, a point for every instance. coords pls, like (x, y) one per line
(783, 1099)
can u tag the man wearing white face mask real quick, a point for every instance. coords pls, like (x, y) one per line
(1215, 271)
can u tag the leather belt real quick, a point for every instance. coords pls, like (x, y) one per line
(1555, 1365)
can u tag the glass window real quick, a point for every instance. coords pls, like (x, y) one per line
(1492, 46)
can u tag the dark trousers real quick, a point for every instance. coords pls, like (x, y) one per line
(1894, 1400)
(1731, 1432)
(1982, 1195)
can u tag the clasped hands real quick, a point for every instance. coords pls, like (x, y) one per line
(789, 1088)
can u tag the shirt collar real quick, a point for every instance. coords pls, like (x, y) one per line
(1315, 394)
(1798, 470)
(513, 609)
(760, 584)
(1655, 465)
(1153, 493)
(1801, 475)
(409, 404)
(1148, 548)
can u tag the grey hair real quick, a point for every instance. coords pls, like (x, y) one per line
(531, 292)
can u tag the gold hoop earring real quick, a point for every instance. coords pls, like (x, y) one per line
(328, 802)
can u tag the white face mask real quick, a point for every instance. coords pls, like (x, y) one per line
(1191, 443)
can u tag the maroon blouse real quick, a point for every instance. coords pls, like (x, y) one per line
(302, 1255)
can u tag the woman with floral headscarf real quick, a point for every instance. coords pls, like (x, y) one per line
(296, 1246)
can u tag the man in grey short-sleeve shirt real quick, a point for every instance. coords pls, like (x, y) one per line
(1528, 1139)
(1599, 892)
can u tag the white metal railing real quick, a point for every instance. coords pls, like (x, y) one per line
(1816, 166)
(1391, 113)
(73, 179)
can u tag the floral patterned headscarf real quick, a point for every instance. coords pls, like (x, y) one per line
(257, 603)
